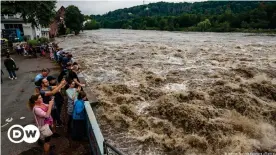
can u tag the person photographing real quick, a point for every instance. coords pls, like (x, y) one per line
(47, 93)
(43, 119)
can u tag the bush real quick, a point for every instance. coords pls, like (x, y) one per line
(91, 25)
(204, 25)
(33, 42)
(221, 27)
(43, 40)
(68, 31)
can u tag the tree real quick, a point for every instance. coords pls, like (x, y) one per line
(162, 24)
(91, 25)
(244, 24)
(39, 12)
(204, 25)
(223, 16)
(61, 29)
(73, 19)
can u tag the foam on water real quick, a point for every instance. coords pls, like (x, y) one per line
(174, 87)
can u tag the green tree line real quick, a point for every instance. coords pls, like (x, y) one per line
(220, 16)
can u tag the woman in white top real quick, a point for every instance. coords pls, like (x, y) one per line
(72, 94)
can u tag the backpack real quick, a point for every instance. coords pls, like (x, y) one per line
(80, 115)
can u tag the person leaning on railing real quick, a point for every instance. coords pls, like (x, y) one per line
(78, 130)
(73, 75)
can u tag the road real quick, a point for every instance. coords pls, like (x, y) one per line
(14, 110)
(14, 97)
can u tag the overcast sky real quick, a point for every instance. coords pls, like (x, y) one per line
(103, 6)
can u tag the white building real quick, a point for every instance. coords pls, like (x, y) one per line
(45, 32)
(15, 21)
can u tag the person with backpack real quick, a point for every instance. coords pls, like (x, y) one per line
(78, 131)
(11, 67)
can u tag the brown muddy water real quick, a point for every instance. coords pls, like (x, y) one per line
(181, 93)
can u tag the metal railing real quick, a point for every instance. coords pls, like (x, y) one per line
(111, 150)
(98, 145)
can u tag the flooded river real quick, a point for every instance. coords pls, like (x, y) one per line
(179, 92)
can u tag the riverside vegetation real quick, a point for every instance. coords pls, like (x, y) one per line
(222, 16)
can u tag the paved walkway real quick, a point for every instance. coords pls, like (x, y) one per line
(14, 110)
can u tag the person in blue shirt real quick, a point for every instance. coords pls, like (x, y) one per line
(78, 131)
(44, 73)
(65, 60)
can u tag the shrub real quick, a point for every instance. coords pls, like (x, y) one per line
(43, 40)
(204, 25)
(91, 25)
(68, 31)
(33, 42)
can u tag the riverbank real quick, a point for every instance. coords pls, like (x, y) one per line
(271, 32)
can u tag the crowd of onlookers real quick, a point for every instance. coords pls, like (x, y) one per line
(58, 101)
(23, 48)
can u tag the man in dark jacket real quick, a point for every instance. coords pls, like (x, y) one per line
(11, 66)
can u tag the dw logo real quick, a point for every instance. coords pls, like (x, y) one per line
(29, 134)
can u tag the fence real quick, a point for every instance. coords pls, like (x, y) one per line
(98, 146)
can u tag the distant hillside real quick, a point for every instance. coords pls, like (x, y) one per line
(174, 9)
(176, 16)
